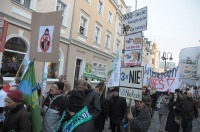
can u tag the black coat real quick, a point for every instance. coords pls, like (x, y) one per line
(85, 127)
(117, 109)
(17, 119)
(171, 126)
(100, 120)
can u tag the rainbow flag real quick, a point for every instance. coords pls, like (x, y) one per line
(30, 95)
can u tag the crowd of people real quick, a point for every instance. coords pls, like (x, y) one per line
(85, 109)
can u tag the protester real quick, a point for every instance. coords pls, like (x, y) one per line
(52, 106)
(175, 110)
(60, 78)
(190, 112)
(153, 95)
(67, 88)
(146, 95)
(117, 110)
(79, 119)
(163, 110)
(2, 103)
(140, 117)
(16, 116)
(100, 121)
(91, 100)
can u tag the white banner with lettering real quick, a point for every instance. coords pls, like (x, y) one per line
(167, 81)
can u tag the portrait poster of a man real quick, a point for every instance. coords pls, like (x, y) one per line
(45, 39)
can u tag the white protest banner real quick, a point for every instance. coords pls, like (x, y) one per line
(133, 41)
(132, 77)
(114, 73)
(95, 72)
(133, 58)
(167, 81)
(130, 93)
(134, 21)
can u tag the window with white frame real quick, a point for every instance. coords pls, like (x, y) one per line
(109, 17)
(62, 7)
(107, 45)
(100, 7)
(13, 55)
(26, 3)
(83, 26)
(97, 35)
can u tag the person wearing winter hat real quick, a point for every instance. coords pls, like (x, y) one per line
(52, 106)
(80, 119)
(2, 103)
(20, 120)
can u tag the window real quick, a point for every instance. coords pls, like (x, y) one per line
(83, 26)
(13, 55)
(100, 7)
(55, 69)
(107, 46)
(110, 17)
(62, 7)
(97, 35)
(25, 3)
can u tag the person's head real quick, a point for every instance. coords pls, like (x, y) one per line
(99, 88)
(177, 90)
(189, 94)
(74, 101)
(144, 90)
(56, 88)
(13, 98)
(175, 95)
(1, 82)
(67, 86)
(115, 91)
(46, 32)
(17, 80)
(82, 85)
(60, 78)
(140, 104)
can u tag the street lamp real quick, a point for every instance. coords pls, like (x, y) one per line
(165, 57)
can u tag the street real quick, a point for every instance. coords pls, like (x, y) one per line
(155, 124)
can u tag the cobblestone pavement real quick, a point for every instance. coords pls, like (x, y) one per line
(155, 124)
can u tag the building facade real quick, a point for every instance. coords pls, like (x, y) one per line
(90, 33)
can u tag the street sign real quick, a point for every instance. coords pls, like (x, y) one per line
(132, 77)
(134, 21)
(130, 93)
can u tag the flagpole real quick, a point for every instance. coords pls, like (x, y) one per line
(129, 123)
(42, 85)
(18, 70)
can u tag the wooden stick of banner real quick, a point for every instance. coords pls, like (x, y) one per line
(41, 98)
(129, 123)
(17, 74)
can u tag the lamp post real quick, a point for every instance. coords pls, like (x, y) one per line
(165, 57)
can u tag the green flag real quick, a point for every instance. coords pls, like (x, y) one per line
(29, 90)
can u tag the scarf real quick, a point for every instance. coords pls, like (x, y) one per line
(81, 117)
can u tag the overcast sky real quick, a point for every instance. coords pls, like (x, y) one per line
(172, 24)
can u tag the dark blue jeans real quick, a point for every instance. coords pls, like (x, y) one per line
(187, 125)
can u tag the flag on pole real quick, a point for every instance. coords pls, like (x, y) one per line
(114, 73)
(26, 62)
(43, 84)
(30, 95)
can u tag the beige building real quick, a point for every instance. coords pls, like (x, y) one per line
(90, 33)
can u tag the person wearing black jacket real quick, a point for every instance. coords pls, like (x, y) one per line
(16, 116)
(117, 109)
(100, 120)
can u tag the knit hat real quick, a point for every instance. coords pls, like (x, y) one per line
(15, 95)
(115, 89)
(75, 100)
(60, 85)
